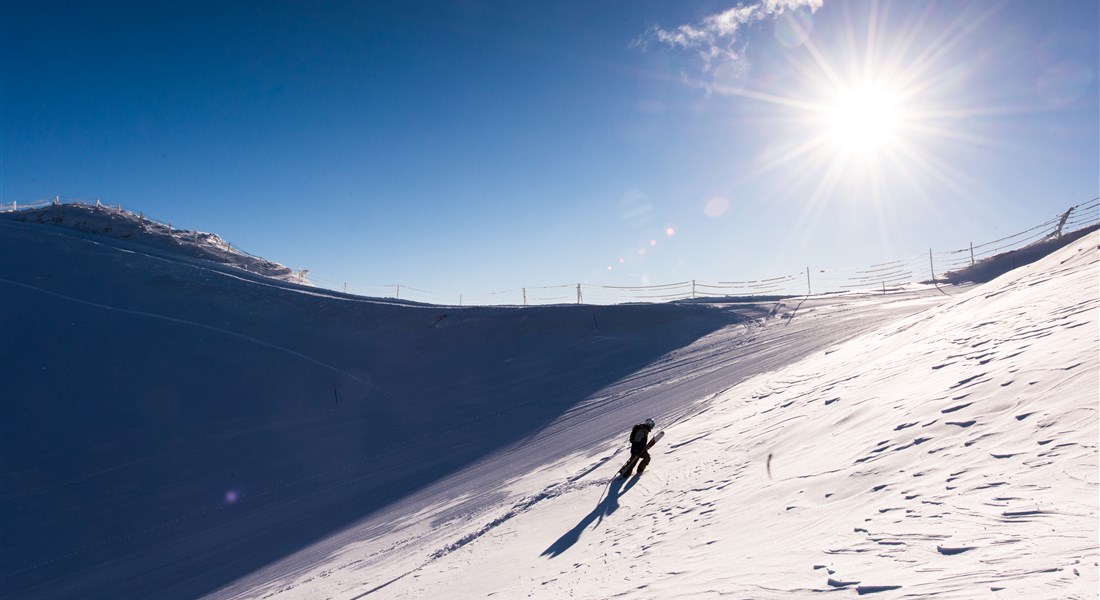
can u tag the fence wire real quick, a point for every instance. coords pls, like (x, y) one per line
(886, 276)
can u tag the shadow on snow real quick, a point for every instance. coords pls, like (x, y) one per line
(606, 506)
(169, 428)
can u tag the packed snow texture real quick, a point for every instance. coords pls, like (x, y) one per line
(174, 427)
(951, 454)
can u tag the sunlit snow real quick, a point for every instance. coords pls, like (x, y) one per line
(174, 426)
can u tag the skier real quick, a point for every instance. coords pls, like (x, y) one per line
(639, 450)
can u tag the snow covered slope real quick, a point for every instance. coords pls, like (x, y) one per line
(170, 424)
(951, 454)
(117, 224)
(173, 426)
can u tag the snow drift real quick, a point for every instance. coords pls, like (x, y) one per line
(152, 236)
(172, 423)
(174, 426)
(950, 454)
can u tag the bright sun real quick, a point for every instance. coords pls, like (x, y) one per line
(856, 113)
(864, 120)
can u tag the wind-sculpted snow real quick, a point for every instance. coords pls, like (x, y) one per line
(948, 454)
(151, 236)
(171, 424)
(999, 264)
(173, 427)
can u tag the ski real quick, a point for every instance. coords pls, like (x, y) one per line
(633, 460)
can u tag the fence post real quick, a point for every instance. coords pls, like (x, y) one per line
(14, 206)
(932, 267)
(398, 296)
(1062, 223)
(578, 293)
(525, 296)
(692, 289)
(56, 200)
(809, 290)
(972, 254)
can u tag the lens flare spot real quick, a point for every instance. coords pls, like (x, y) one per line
(1064, 83)
(716, 207)
(231, 497)
(670, 231)
(652, 242)
(793, 28)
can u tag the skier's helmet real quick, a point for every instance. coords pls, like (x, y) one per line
(649, 423)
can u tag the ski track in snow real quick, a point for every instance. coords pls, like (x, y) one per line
(213, 328)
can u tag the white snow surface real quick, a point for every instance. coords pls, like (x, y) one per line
(118, 224)
(174, 428)
(951, 454)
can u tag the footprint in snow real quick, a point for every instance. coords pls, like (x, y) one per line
(952, 550)
(874, 589)
(967, 380)
(956, 408)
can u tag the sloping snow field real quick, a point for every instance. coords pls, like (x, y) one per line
(175, 427)
(951, 454)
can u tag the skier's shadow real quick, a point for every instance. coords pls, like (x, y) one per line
(608, 505)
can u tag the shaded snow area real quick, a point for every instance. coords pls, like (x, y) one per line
(176, 428)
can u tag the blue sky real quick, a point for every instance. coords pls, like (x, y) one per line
(467, 147)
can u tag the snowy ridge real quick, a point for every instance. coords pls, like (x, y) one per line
(101, 220)
(952, 454)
